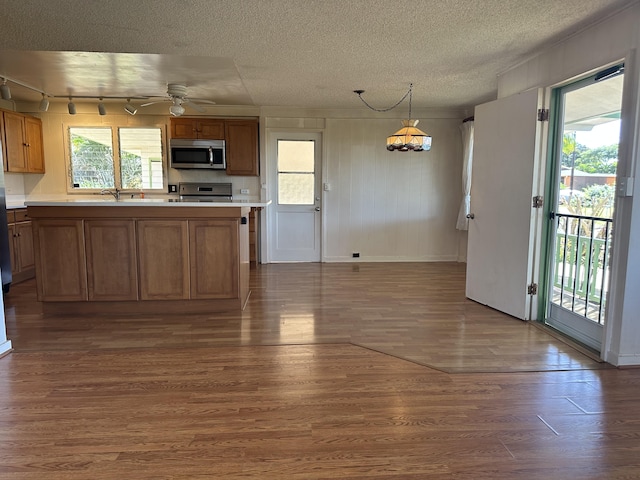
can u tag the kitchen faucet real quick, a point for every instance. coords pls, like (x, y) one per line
(115, 192)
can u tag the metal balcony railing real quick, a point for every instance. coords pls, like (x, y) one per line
(581, 274)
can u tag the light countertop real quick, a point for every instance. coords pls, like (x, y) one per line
(108, 201)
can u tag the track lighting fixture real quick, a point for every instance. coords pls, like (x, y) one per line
(44, 103)
(4, 90)
(102, 110)
(71, 107)
(130, 109)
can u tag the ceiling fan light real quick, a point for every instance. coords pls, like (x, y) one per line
(5, 92)
(44, 103)
(102, 110)
(71, 107)
(176, 110)
(130, 109)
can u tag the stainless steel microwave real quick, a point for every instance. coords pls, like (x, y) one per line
(198, 154)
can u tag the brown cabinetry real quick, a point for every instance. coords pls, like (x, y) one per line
(21, 245)
(241, 140)
(60, 259)
(242, 147)
(164, 261)
(23, 146)
(195, 128)
(254, 228)
(141, 259)
(112, 267)
(214, 252)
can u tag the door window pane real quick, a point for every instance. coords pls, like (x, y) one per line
(296, 172)
(91, 157)
(588, 138)
(141, 158)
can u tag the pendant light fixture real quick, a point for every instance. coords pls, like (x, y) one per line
(71, 107)
(409, 137)
(102, 110)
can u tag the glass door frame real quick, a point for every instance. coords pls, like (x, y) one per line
(551, 192)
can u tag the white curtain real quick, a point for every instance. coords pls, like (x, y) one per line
(467, 151)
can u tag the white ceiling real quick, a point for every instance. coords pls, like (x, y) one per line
(297, 53)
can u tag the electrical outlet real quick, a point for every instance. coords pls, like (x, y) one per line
(356, 255)
(244, 191)
(173, 188)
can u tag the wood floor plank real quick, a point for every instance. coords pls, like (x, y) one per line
(326, 375)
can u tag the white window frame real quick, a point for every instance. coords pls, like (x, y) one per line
(113, 124)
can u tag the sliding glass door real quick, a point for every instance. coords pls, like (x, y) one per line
(585, 162)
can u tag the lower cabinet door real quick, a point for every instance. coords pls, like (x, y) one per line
(112, 267)
(24, 243)
(213, 248)
(163, 259)
(60, 260)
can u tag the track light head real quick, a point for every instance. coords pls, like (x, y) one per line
(130, 109)
(5, 92)
(44, 103)
(71, 107)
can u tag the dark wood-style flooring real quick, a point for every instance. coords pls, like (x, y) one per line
(333, 371)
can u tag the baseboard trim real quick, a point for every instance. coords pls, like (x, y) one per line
(5, 348)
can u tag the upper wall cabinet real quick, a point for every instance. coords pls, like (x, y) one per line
(23, 150)
(190, 128)
(242, 147)
(241, 137)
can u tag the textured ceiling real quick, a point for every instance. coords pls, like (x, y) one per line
(298, 53)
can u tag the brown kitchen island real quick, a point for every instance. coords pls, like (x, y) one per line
(141, 256)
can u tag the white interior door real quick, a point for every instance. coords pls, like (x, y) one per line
(505, 165)
(295, 214)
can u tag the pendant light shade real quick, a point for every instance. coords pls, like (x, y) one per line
(409, 137)
(102, 110)
(71, 107)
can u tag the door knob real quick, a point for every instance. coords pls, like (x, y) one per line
(317, 209)
(471, 216)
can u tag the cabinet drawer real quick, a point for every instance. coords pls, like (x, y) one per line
(21, 215)
(11, 216)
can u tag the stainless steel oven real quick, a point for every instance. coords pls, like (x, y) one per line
(205, 192)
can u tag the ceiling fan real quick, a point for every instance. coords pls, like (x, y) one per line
(177, 95)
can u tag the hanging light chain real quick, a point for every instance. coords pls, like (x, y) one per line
(360, 92)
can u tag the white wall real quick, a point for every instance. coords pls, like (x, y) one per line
(387, 206)
(611, 40)
(391, 206)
